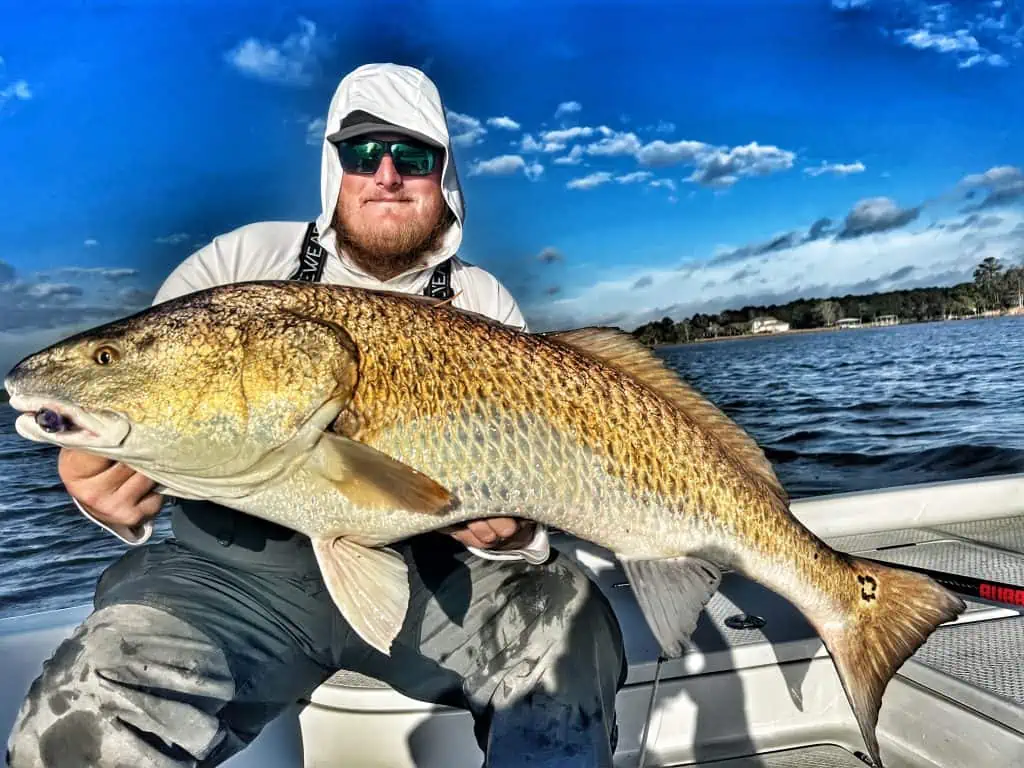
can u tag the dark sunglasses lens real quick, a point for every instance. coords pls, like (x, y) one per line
(363, 157)
(413, 159)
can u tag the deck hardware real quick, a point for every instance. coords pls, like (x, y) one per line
(744, 621)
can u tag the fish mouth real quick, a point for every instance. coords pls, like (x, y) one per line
(49, 420)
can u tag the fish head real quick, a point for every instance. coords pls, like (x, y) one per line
(207, 384)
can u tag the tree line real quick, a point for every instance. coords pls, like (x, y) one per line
(994, 288)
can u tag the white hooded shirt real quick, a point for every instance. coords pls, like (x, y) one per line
(269, 250)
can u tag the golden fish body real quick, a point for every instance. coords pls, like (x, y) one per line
(362, 418)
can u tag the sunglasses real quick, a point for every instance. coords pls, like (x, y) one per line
(411, 158)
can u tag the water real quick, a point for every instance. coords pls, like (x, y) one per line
(836, 412)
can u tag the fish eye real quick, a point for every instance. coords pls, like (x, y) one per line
(105, 355)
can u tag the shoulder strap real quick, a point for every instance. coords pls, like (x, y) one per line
(440, 284)
(311, 257)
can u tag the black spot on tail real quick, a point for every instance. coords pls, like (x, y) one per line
(868, 588)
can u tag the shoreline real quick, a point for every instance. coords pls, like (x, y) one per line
(802, 331)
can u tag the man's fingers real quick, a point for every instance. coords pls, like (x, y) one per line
(133, 490)
(150, 505)
(118, 495)
(482, 532)
(503, 527)
(486, 533)
(117, 476)
(522, 537)
(465, 538)
(78, 465)
(491, 532)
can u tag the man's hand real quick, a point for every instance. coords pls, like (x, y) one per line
(493, 533)
(110, 492)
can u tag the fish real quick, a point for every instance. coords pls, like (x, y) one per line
(360, 418)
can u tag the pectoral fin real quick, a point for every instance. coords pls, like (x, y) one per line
(671, 593)
(369, 478)
(369, 585)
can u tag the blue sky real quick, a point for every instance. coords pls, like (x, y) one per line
(621, 161)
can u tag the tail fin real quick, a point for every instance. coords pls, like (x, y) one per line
(895, 612)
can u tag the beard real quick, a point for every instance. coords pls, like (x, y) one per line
(385, 252)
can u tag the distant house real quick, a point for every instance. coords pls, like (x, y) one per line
(848, 322)
(768, 325)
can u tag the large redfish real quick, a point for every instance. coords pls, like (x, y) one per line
(360, 418)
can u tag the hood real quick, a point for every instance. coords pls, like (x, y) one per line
(405, 97)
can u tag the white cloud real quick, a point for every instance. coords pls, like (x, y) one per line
(91, 242)
(174, 239)
(591, 181)
(567, 134)
(533, 171)
(826, 266)
(40, 306)
(530, 144)
(1004, 184)
(291, 62)
(315, 131)
(662, 126)
(634, 178)
(53, 292)
(18, 91)
(502, 165)
(604, 177)
(465, 130)
(568, 108)
(838, 169)
(506, 165)
(972, 34)
(722, 168)
(996, 177)
(504, 122)
(616, 145)
(876, 214)
(659, 153)
(108, 273)
(714, 166)
(574, 157)
(922, 39)
(992, 59)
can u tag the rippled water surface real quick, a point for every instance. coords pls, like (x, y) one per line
(835, 412)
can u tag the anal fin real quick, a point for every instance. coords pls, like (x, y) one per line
(671, 593)
(370, 586)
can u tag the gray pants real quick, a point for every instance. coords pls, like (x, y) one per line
(188, 655)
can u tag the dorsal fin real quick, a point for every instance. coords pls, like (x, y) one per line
(619, 349)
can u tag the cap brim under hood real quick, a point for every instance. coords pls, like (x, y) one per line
(404, 97)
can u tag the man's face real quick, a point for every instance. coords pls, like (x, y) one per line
(387, 220)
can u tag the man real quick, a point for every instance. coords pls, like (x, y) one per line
(197, 642)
